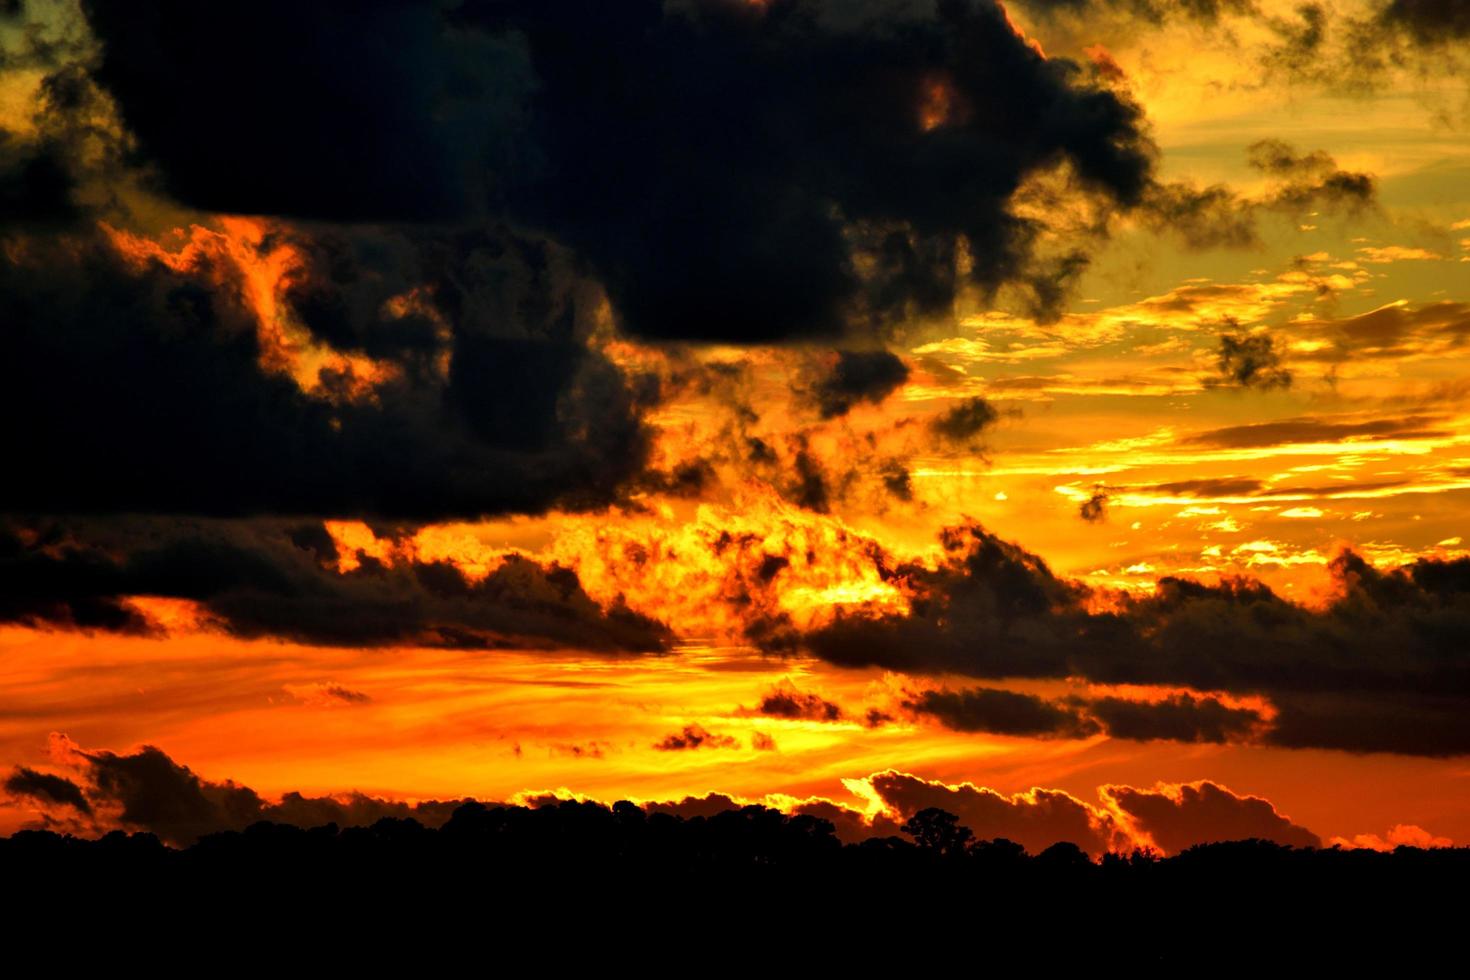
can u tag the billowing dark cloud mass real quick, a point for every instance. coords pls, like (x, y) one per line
(1204, 813)
(458, 206)
(858, 376)
(727, 170)
(147, 393)
(1380, 668)
(262, 580)
(1429, 22)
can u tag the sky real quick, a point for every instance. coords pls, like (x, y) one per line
(1052, 412)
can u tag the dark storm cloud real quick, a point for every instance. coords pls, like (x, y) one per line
(967, 613)
(1177, 718)
(1000, 712)
(855, 377)
(46, 581)
(1428, 22)
(336, 109)
(46, 788)
(145, 392)
(259, 580)
(964, 421)
(36, 186)
(1414, 723)
(727, 170)
(1251, 361)
(1379, 668)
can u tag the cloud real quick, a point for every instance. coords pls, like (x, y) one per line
(1388, 254)
(36, 187)
(1395, 330)
(257, 580)
(1217, 216)
(1317, 429)
(1094, 510)
(46, 788)
(326, 694)
(1366, 672)
(1177, 817)
(730, 171)
(1177, 717)
(1206, 12)
(965, 420)
(1400, 835)
(1001, 712)
(1207, 487)
(1035, 819)
(1169, 817)
(1427, 22)
(340, 127)
(1251, 361)
(786, 701)
(694, 737)
(525, 417)
(147, 790)
(857, 376)
(696, 806)
(852, 826)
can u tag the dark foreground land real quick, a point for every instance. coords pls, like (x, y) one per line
(753, 890)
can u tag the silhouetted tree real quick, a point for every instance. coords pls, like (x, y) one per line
(939, 831)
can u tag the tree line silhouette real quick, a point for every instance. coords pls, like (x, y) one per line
(572, 877)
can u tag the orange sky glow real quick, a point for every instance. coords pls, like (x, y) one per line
(1252, 406)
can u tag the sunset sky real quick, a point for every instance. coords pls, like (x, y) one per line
(1054, 412)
